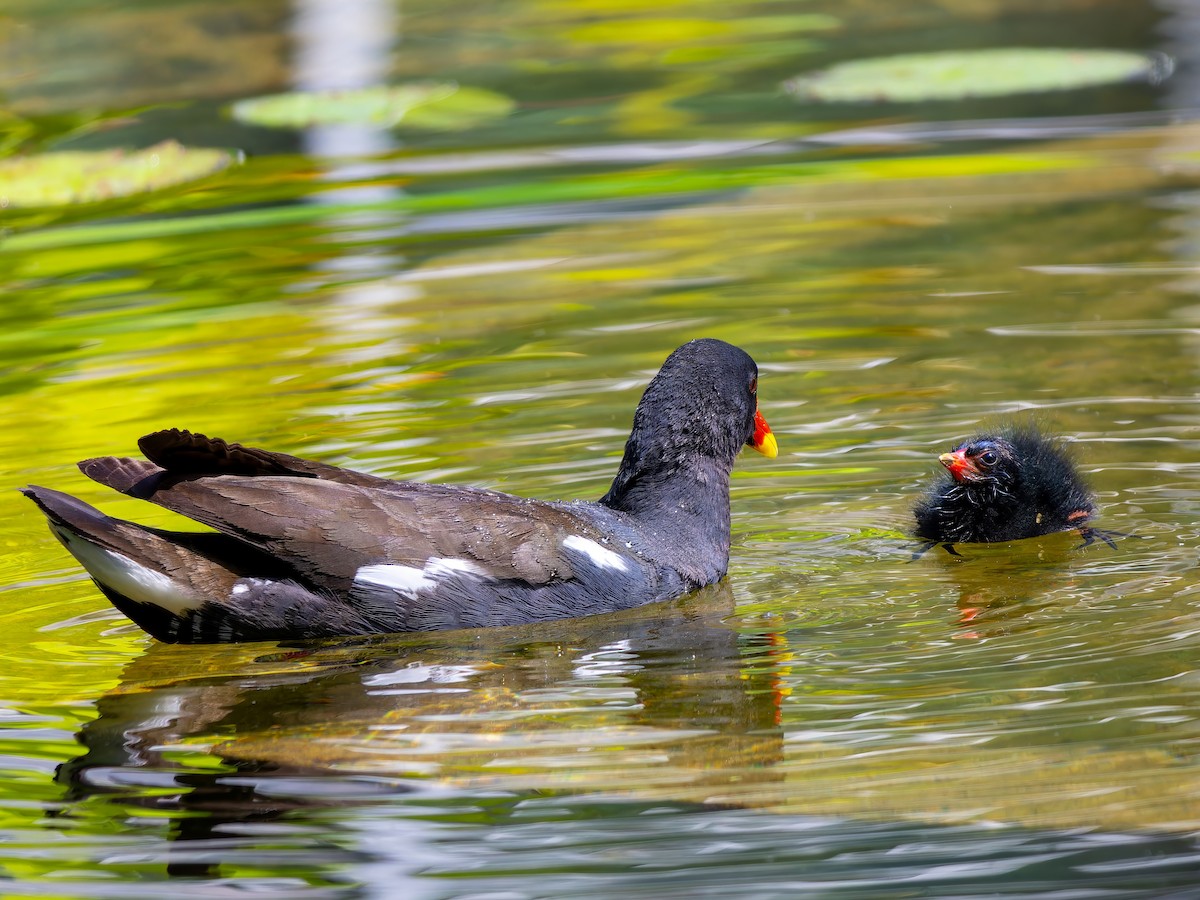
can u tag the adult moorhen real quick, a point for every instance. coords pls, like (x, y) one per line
(1003, 486)
(308, 550)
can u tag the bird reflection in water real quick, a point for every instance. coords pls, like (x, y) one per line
(663, 702)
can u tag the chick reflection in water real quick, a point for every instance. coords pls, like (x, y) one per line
(998, 586)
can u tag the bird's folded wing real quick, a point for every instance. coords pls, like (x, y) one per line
(327, 531)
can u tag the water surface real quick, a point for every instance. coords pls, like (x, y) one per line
(484, 307)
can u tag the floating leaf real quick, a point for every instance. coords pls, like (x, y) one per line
(972, 73)
(87, 176)
(441, 106)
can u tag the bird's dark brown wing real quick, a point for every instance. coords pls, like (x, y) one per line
(327, 530)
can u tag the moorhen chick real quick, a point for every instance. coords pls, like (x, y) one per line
(1003, 486)
(303, 549)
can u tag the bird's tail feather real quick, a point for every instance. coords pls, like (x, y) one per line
(155, 578)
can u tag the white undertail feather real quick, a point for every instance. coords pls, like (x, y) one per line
(128, 578)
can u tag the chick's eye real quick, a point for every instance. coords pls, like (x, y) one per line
(988, 457)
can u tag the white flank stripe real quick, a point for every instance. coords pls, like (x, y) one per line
(444, 567)
(406, 579)
(601, 557)
(246, 585)
(119, 573)
(411, 580)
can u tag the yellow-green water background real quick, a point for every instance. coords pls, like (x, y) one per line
(483, 307)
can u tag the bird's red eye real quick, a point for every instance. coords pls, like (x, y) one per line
(754, 385)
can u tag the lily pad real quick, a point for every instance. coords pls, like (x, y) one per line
(973, 73)
(87, 176)
(435, 106)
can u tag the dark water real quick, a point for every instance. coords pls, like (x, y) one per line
(484, 307)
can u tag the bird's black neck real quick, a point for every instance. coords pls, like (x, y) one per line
(685, 505)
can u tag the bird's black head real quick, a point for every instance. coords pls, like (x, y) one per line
(693, 419)
(1008, 484)
(985, 462)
